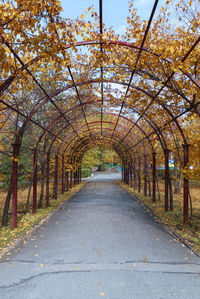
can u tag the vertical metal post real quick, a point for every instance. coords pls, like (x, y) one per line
(15, 183)
(166, 152)
(34, 207)
(127, 174)
(56, 176)
(139, 174)
(131, 174)
(63, 174)
(67, 181)
(74, 175)
(154, 176)
(71, 178)
(185, 185)
(135, 175)
(145, 175)
(78, 175)
(47, 179)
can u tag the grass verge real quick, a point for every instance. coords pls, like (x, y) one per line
(27, 222)
(189, 233)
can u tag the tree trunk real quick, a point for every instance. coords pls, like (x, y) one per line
(7, 203)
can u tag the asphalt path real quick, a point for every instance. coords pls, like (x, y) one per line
(101, 243)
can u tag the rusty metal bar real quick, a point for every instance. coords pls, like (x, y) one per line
(131, 174)
(47, 179)
(166, 153)
(139, 174)
(135, 174)
(80, 174)
(34, 207)
(71, 178)
(163, 126)
(39, 85)
(79, 98)
(67, 180)
(15, 183)
(26, 117)
(56, 177)
(186, 185)
(153, 176)
(101, 50)
(63, 174)
(137, 60)
(164, 84)
(145, 174)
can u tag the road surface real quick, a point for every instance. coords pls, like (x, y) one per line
(101, 243)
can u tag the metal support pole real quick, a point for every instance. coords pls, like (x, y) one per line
(127, 182)
(127, 174)
(67, 181)
(34, 207)
(131, 175)
(71, 177)
(74, 178)
(63, 174)
(15, 183)
(56, 176)
(47, 180)
(154, 176)
(145, 175)
(135, 175)
(139, 174)
(166, 152)
(186, 185)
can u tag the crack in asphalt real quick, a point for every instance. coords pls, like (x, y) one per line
(26, 280)
(113, 263)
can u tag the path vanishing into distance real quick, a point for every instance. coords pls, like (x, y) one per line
(101, 243)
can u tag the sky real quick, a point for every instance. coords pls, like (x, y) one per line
(114, 11)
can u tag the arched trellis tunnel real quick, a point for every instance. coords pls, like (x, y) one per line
(86, 111)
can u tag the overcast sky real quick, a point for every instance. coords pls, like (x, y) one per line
(114, 11)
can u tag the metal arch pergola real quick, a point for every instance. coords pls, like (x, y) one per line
(117, 134)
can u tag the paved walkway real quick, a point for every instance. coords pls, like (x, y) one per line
(101, 243)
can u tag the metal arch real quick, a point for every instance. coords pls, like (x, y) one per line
(9, 80)
(94, 122)
(24, 67)
(106, 137)
(90, 82)
(96, 133)
(53, 123)
(141, 90)
(83, 137)
(123, 145)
